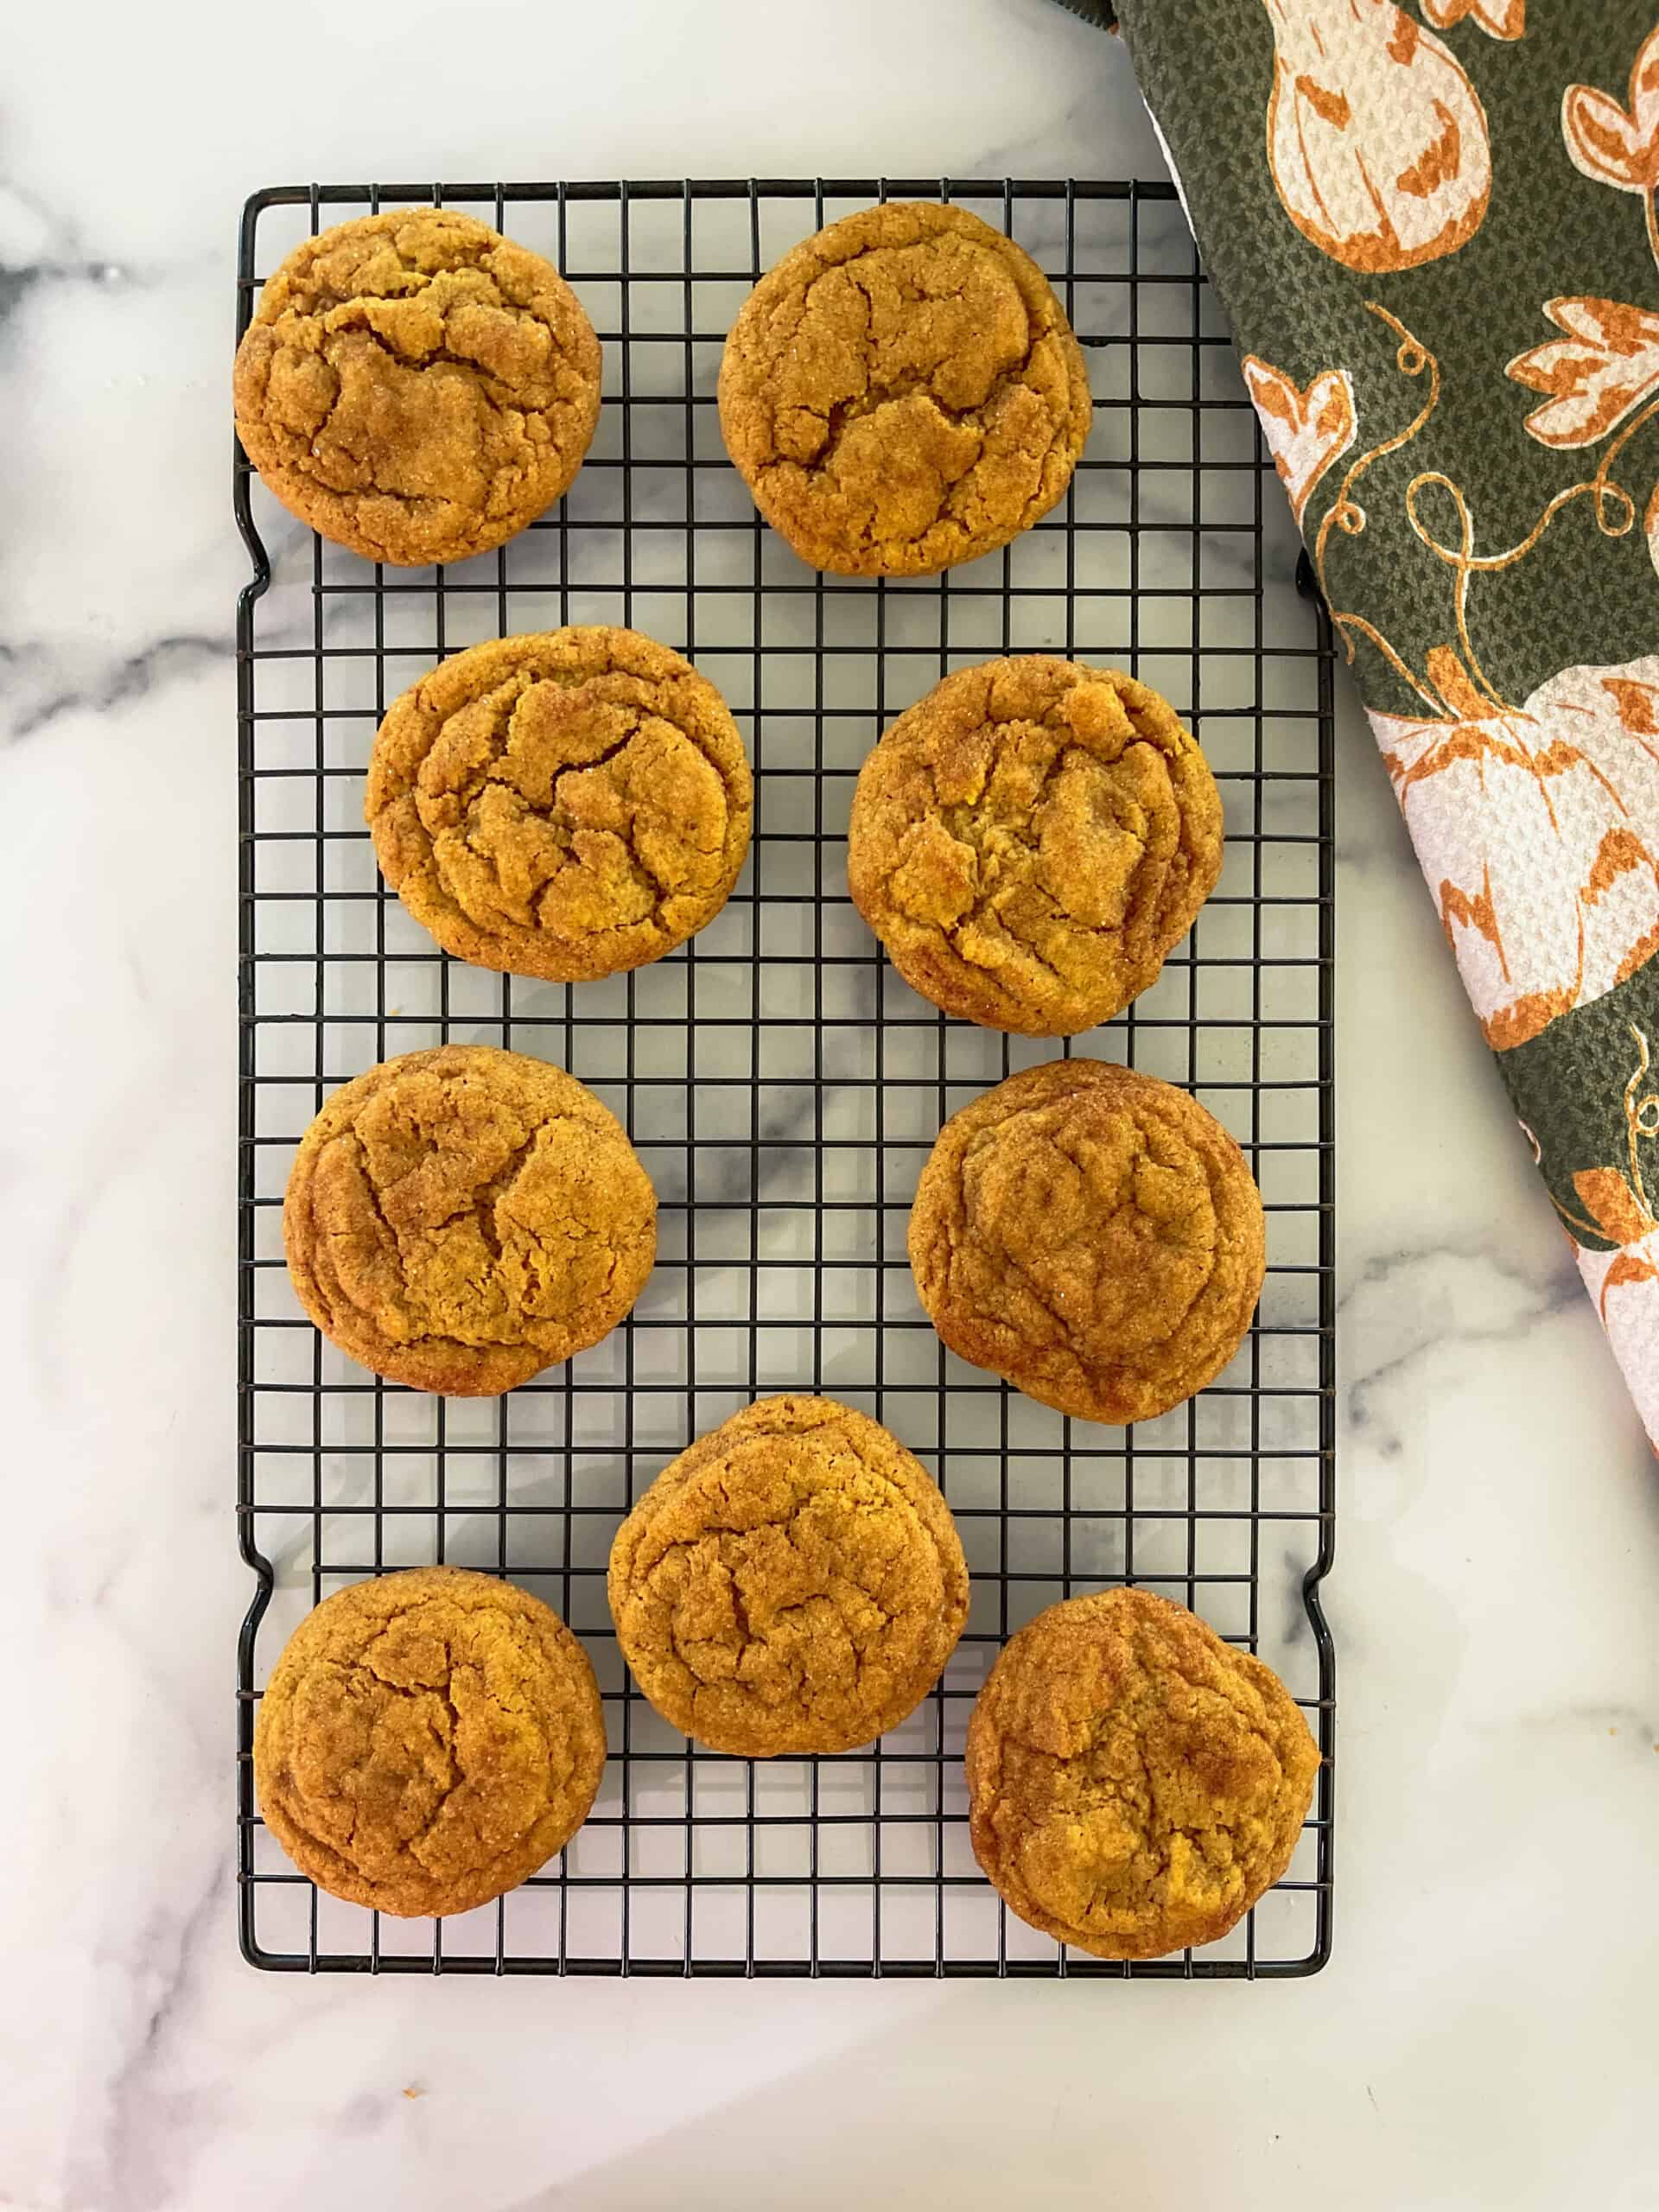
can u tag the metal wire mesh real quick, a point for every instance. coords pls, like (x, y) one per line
(782, 1087)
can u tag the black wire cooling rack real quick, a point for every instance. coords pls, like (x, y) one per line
(782, 1087)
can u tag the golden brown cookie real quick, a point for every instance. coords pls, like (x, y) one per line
(792, 1583)
(1092, 1234)
(1031, 839)
(564, 805)
(428, 1740)
(415, 386)
(902, 392)
(460, 1219)
(1134, 1785)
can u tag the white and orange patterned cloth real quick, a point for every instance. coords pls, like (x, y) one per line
(1435, 228)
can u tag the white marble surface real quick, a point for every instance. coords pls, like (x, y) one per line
(1482, 2036)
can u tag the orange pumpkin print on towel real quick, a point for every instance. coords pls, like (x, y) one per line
(1499, 800)
(1306, 432)
(1377, 139)
(1613, 1203)
(1625, 1286)
(1619, 145)
(1501, 18)
(1602, 375)
(1605, 364)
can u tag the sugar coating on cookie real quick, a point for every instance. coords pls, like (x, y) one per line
(1031, 839)
(792, 1583)
(903, 391)
(1135, 1783)
(1092, 1234)
(428, 1740)
(415, 386)
(565, 804)
(460, 1219)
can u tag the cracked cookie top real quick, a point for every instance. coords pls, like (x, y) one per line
(791, 1584)
(1134, 1785)
(1092, 1234)
(902, 392)
(460, 1219)
(427, 1740)
(564, 805)
(1030, 840)
(415, 386)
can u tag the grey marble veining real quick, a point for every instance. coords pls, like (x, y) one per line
(1478, 2040)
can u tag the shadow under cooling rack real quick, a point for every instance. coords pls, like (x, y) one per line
(782, 1087)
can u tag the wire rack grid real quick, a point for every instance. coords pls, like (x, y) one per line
(782, 1087)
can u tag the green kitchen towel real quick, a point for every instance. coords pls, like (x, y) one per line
(1435, 229)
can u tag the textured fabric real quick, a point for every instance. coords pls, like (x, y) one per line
(1434, 229)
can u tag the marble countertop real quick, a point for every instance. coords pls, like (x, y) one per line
(1477, 2039)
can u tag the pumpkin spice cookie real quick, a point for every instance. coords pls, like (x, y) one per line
(428, 1740)
(460, 1219)
(903, 392)
(565, 804)
(415, 386)
(793, 1583)
(1134, 1785)
(1092, 1234)
(1030, 840)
